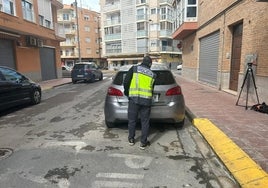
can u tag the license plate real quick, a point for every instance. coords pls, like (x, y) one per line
(155, 97)
(79, 76)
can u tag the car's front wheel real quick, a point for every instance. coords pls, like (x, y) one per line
(36, 96)
(109, 124)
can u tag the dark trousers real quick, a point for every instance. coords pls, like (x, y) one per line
(133, 111)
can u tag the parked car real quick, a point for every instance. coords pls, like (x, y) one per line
(168, 100)
(179, 67)
(17, 89)
(86, 71)
(66, 71)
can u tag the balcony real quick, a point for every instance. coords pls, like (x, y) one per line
(165, 33)
(112, 22)
(67, 44)
(166, 2)
(142, 34)
(112, 37)
(70, 20)
(185, 30)
(111, 7)
(70, 32)
(142, 17)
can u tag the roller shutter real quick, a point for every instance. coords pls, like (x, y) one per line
(7, 54)
(48, 65)
(208, 58)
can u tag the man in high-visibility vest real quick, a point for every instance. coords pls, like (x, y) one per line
(138, 86)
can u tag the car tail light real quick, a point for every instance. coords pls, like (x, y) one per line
(114, 92)
(174, 91)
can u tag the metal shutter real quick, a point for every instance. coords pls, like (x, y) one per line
(208, 58)
(6, 53)
(48, 65)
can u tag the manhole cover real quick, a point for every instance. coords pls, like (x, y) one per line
(5, 152)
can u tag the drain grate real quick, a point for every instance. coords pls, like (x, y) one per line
(5, 153)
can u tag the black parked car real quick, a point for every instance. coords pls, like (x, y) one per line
(17, 89)
(86, 71)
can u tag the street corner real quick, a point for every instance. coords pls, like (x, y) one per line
(246, 172)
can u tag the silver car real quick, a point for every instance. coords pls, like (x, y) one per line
(168, 100)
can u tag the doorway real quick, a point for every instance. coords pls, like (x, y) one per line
(236, 56)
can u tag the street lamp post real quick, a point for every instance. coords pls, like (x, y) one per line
(78, 35)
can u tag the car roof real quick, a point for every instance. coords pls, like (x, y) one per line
(155, 66)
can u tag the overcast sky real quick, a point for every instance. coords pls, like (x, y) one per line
(89, 4)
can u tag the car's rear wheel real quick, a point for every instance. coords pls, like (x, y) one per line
(109, 124)
(180, 124)
(101, 77)
(36, 96)
(73, 81)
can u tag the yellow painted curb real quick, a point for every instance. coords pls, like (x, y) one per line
(246, 171)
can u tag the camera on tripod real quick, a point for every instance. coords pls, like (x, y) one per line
(249, 75)
(250, 64)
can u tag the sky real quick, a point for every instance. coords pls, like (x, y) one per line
(89, 4)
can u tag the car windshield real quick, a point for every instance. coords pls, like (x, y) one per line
(162, 78)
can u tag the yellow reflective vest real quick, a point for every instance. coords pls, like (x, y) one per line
(141, 85)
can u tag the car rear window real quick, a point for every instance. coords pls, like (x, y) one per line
(162, 78)
(79, 66)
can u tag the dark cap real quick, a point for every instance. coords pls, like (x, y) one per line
(147, 61)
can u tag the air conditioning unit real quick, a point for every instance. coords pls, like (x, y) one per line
(39, 42)
(31, 41)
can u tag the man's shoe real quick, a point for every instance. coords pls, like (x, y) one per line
(143, 146)
(131, 141)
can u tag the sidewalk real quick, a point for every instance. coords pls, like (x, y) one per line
(238, 136)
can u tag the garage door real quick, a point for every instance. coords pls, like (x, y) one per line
(208, 58)
(48, 65)
(7, 54)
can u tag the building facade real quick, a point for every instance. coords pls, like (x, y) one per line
(82, 33)
(131, 29)
(29, 37)
(222, 41)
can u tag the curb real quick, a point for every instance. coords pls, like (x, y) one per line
(246, 172)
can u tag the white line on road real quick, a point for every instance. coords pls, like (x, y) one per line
(120, 175)
(117, 184)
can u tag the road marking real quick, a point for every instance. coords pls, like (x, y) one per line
(116, 184)
(78, 145)
(134, 161)
(119, 175)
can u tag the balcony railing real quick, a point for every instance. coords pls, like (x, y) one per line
(58, 31)
(142, 17)
(67, 44)
(142, 33)
(111, 7)
(113, 36)
(165, 33)
(112, 22)
(166, 1)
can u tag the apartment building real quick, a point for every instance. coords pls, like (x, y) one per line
(82, 33)
(131, 29)
(220, 39)
(29, 39)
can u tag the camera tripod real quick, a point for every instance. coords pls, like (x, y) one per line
(249, 74)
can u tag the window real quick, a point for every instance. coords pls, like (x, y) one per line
(47, 23)
(27, 9)
(87, 28)
(88, 51)
(86, 18)
(141, 26)
(7, 6)
(41, 20)
(65, 16)
(87, 40)
(191, 8)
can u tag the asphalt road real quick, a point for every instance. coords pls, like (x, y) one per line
(63, 142)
